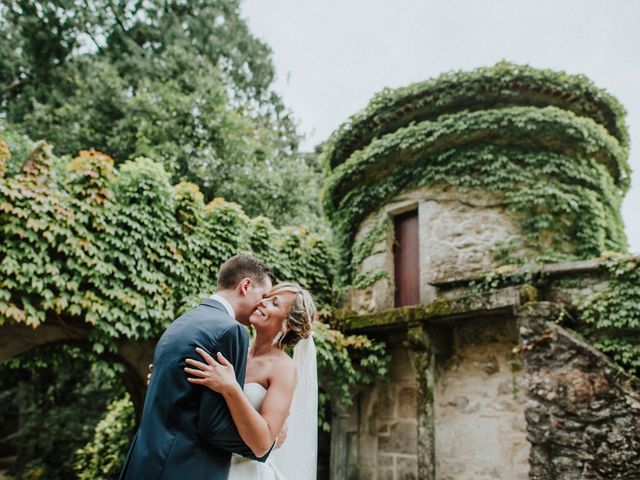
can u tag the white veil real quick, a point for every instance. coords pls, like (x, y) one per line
(297, 458)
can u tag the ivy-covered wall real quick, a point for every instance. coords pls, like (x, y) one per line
(553, 147)
(600, 302)
(126, 251)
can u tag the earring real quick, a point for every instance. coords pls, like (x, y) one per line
(277, 338)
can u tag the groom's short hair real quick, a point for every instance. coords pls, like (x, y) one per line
(242, 266)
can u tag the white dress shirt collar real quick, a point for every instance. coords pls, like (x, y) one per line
(225, 304)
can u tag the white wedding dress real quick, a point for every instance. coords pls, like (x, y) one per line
(243, 468)
(297, 457)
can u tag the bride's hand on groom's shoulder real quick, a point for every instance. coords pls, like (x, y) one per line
(219, 375)
(149, 374)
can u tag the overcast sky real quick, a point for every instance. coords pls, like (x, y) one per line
(331, 56)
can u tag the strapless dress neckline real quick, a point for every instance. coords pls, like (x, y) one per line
(255, 393)
(253, 384)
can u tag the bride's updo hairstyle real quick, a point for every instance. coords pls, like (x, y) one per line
(301, 314)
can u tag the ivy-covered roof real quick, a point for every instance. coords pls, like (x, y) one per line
(501, 86)
(552, 146)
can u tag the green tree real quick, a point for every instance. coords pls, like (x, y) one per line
(59, 394)
(104, 456)
(182, 82)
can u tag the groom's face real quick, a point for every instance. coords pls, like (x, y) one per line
(253, 295)
(259, 291)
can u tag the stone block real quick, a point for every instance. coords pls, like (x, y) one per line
(386, 474)
(402, 438)
(407, 403)
(352, 446)
(490, 365)
(406, 468)
(387, 401)
(401, 368)
(364, 473)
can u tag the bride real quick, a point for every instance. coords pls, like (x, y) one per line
(275, 384)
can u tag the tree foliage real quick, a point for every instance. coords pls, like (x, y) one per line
(50, 389)
(184, 83)
(103, 457)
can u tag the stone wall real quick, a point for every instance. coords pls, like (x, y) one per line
(583, 413)
(459, 232)
(479, 405)
(479, 411)
(382, 433)
(485, 385)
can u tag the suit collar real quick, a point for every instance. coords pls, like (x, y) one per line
(217, 304)
(225, 303)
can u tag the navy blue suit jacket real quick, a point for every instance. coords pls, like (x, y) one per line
(186, 431)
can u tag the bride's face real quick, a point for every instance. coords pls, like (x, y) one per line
(271, 311)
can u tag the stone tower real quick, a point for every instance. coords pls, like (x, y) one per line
(430, 186)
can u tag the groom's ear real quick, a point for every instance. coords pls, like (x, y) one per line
(244, 285)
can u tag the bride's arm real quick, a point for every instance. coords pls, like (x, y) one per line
(257, 429)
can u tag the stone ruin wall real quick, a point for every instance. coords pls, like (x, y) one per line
(583, 412)
(559, 410)
(382, 433)
(458, 233)
(479, 396)
(480, 428)
(517, 397)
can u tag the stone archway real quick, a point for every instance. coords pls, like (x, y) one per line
(16, 339)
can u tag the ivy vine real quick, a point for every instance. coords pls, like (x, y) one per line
(561, 175)
(126, 251)
(505, 84)
(379, 233)
(611, 315)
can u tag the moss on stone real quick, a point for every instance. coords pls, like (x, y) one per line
(529, 293)
(437, 309)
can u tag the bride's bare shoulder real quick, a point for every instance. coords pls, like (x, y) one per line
(285, 361)
(283, 365)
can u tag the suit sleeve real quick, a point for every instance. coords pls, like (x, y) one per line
(215, 424)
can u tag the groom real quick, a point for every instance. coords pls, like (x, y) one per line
(187, 432)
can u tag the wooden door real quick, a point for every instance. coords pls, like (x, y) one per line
(407, 259)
